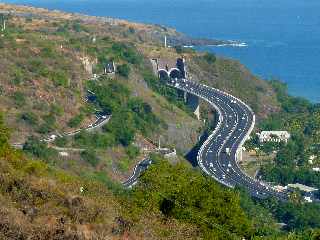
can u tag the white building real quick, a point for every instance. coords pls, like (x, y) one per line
(274, 136)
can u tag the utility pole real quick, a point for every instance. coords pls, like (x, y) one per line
(159, 147)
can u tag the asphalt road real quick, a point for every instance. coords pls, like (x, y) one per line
(98, 123)
(218, 155)
(138, 170)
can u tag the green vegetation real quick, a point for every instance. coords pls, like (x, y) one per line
(41, 64)
(301, 119)
(292, 161)
(76, 121)
(184, 194)
(30, 118)
(171, 94)
(132, 151)
(123, 70)
(19, 99)
(114, 98)
(172, 193)
(181, 50)
(210, 58)
(39, 149)
(90, 157)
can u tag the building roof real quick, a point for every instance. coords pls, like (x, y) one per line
(280, 134)
(302, 187)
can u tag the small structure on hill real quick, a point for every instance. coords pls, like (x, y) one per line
(274, 136)
(167, 69)
(109, 68)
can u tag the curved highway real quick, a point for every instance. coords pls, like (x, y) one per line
(218, 155)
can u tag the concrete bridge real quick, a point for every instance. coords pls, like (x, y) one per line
(168, 69)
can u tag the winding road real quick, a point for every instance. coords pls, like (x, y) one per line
(218, 156)
(138, 170)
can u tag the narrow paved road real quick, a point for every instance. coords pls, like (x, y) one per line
(138, 170)
(218, 155)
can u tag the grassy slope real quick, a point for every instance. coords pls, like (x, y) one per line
(231, 76)
(25, 53)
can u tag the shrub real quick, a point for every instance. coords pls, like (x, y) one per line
(76, 121)
(45, 128)
(48, 125)
(123, 164)
(127, 53)
(184, 194)
(60, 78)
(36, 168)
(94, 140)
(39, 148)
(132, 151)
(61, 141)
(4, 136)
(30, 118)
(210, 58)
(48, 52)
(123, 70)
(19, 99)
(35, 64)
(90, 157)
(1, 43)
(179, 49)
(17, 77)
(56, 110)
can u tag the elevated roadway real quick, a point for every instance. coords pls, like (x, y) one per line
(218, 156)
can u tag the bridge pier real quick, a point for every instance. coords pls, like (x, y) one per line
(193, 103)
(239, 154)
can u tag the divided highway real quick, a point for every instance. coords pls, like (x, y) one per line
(218, 155)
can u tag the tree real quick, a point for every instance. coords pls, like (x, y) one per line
(90, 157)
(184, 194)
(123, 70)
(4, 136)
(39, 148)
(210, 58)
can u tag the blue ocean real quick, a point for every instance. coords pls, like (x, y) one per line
(282, 38)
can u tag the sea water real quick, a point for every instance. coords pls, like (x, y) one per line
(281, 39)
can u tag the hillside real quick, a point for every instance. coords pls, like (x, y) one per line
(43, 57)
(52, 81)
